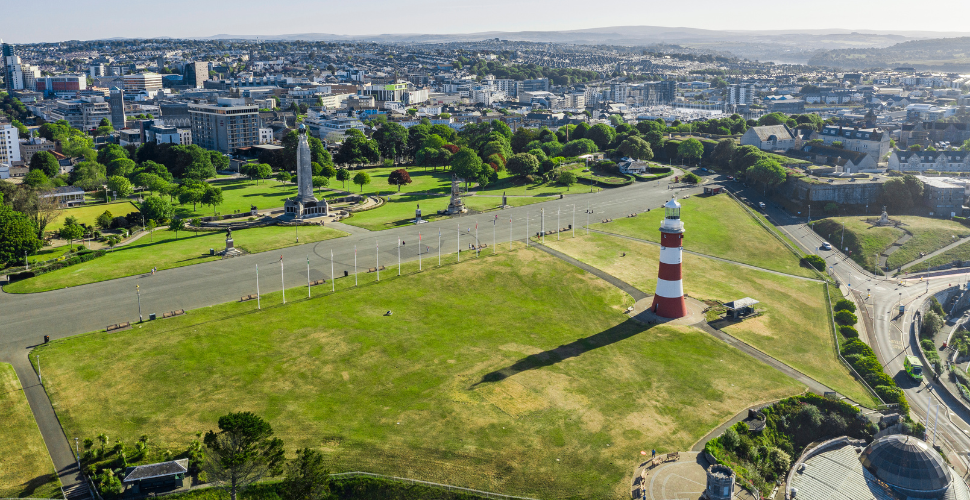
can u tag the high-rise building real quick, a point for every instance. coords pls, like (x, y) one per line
(117, 102)
(9, 58)
(9, 144)
(740, 95)
(227, 126)
(82, 114)
(16, 74)
(142, 81)
(193, 74)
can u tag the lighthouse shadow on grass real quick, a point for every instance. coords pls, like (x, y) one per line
(620, 332)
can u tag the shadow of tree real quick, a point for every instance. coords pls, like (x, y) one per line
(31, 486)
(620, 332)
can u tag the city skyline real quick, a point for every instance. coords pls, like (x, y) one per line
(76, 22)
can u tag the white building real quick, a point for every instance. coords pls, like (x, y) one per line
(9, 144)
(4, 171)
(872, 141)
(770, 138)
(265, 136)
(83, 114)
(142, 81)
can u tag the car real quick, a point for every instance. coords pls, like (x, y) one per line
(730, 177)
(826, 246)
(761, 205)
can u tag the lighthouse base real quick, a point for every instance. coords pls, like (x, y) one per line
(669, 307)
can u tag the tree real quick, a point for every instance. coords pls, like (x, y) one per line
(723, 153)
(45, 162)
(932, 323)
(361, 179)
(845, 318)
(327, 171)
(242, 452)
(156, 208)
(72, 232)
(190, 193)
(521, 138)
(104, 220)
(260, 171)
(566, 178)
(466, 164)
(601, 134)
(392, 139)
(844, 305)
(357, 149)
(150, 226)
(343, 175)
(691, 149)
(399, 178)
(176, 225)
(579, 147)
(36, 178)
(636, 148)
(121, 186)
(320, 181)
(121, 166)
(111, 152)
(522, 164)
(219, 161)
(767, 172)
(306, 477)
(18, 234)
(212, 196)
(690, 178)
(901, 193)
(283, 176)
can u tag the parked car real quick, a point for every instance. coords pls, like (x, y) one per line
(826, 246)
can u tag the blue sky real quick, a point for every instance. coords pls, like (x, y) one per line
(70, 19)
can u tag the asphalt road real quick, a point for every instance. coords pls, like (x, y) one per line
(894, 336)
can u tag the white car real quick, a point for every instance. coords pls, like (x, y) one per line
(826, 246)
(761, 205)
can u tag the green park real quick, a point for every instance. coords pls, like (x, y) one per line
(25, 469)
(454, 387)
(166, 249)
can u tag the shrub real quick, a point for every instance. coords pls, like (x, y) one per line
(845, 318)
(730, 440)
(690, 178)
(814, 261)
(935, 306)
(845, 305)
(848, 331)
(932, 323)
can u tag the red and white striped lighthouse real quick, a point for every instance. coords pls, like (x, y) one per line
(668, 302)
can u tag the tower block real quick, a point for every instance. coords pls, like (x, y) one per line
(668, 302)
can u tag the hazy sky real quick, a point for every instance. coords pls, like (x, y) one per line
(70, 19)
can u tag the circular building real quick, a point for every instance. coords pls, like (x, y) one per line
(908, 465)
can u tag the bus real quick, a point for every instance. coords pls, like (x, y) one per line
(913, 368)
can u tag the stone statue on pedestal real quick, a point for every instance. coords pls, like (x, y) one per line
(456, 205)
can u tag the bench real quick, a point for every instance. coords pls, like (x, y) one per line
(181, 312)
(119, 326)
(244, 298)
(372, 269)
(672, 456)
(317, 282)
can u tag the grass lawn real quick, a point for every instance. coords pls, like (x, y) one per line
(483, 203)
(490, 388)
(48, 253)
(961, 253)
(865, 240)
(398, 211)
(514, 187)
(25, 466)
(717, 226)
(87, 214)
(793, 329)
(422, 181)
(239, 194)
(166, 252)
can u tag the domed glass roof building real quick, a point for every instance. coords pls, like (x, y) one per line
(908, 465)
(893, 467)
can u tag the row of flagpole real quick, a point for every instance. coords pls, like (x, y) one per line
(333, 284)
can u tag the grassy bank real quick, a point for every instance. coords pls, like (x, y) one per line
(25, 466)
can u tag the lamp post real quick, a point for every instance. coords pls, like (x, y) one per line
(308, 276)
(282, 282)
(138, 292)
(333, 279)
(258, 306)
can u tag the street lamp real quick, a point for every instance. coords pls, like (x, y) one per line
(138, 292)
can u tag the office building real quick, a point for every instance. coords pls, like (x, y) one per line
(9, 144)
(536, 85)
(142, 81)
(117, 102)
(83, 114)
(195, 73)
(32, 146)
(226, 126)
(63, 86)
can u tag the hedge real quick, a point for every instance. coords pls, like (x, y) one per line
(864, 361)
(82, 256)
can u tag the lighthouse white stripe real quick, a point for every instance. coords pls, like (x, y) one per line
(671, 255)
(670, 289)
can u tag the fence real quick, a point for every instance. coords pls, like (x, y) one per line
(486, 494)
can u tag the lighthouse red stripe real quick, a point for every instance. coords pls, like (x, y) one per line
(670, 239)
(666, 307)
(670, 272)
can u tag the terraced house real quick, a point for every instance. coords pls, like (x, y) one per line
(871, 141)
(921, 161)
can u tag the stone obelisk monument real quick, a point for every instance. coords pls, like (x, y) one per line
(305, 204)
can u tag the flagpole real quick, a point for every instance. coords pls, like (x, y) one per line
(526, 230)
(258, 306)
(510, 233)
(308, 276)
(588, 211)
(573, 227)
(459, 243)
(355, 265)
(333, 279)
(419, 252)
(477, 245)
(494, 221)
(558, 222)
(439, 246)
(281, 279)
(542, 224)
(399, 255)
(377, 257)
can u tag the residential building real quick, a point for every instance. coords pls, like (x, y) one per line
(142, 81)
(9, 144)
(17, 75)
(850, 162)
(226, 126)
(872, 141)
(739, 95)
(195, 74)
(921, 161)
(117, 103)
(83, 114)
(535, 85)
(928, 133)
(129, 136)
(323, 126)
(265, 135)
(771, 138)
(31, 146)
(333, 101)
(163, 134)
